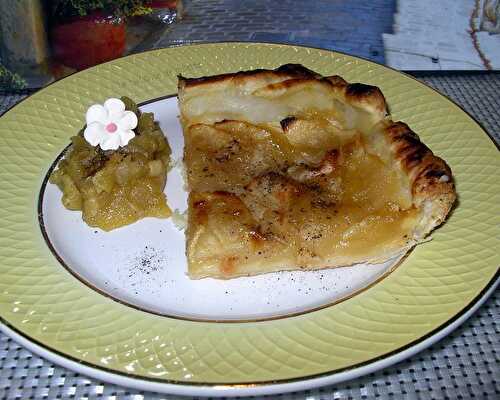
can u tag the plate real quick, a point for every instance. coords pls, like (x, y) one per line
(144, 265)
(71, 318)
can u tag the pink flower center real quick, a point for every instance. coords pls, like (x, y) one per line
(111, 127)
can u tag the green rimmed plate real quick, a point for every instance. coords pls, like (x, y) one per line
(437, 286)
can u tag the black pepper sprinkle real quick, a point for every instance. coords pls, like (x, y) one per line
(144, 266)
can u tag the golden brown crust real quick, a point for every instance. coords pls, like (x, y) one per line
(285, 77)
(359, 93)
(311, 117)
(367, 96)
(287, 71)
(287, 122)
(430, 177)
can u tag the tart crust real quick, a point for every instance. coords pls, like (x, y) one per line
(303, 135)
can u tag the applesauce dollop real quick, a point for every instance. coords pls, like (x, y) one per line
(114, 188)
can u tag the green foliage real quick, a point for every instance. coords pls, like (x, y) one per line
(10, 80)
(70, 8)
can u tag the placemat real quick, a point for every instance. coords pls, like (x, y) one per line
(464, 365)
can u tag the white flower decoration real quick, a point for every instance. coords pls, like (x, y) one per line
(109, 126)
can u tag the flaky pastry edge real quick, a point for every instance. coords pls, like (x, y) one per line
(431, 179)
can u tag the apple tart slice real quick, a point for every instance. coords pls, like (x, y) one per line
(289, 170)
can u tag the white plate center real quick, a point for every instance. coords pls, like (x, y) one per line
(144, 264)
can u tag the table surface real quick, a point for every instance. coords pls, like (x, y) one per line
(464, 365)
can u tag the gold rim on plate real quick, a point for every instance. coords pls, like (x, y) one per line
(436, 284)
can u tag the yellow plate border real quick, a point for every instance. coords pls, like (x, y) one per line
(115, 338)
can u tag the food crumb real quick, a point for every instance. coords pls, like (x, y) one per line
(179, 219)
